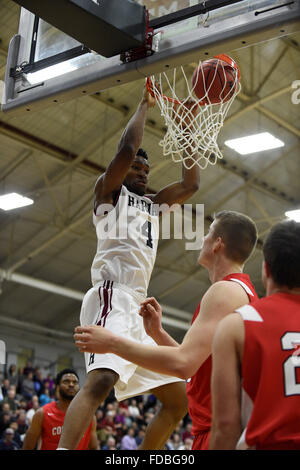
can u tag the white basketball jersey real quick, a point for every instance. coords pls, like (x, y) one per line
(127, 242)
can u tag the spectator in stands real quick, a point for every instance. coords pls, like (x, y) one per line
(49, 381)
(133, 410)
(44, 397)
(110, 410)
(140, 436)
(174, 442)
(187, 444)
(124, 404)
(33, 407)
(11, 399)
(28, 368)
(27, 388)
(38, 381)
(23, 404)
(4, 421)
(187, 432)
(110, 444)
(150, 402)
(17, 437)
(128, 441)
(22, 422)
(12, 375)
(8, 443)
(108, 427)
(5, 387)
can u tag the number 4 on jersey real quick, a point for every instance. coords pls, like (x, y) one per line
(146, 231)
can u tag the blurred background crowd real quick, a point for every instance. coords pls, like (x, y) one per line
(120, 425)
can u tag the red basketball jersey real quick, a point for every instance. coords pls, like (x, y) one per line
(271, 373)
(53, 421)
(198, 388)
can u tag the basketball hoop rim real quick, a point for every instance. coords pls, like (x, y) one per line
(223, 57)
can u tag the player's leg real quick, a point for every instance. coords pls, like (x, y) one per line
(82, 408)
(174, 407)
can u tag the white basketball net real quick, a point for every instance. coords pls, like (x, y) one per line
(192, 129)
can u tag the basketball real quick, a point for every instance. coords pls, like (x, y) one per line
(215, 80)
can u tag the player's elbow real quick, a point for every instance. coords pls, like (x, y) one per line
(191, 187)
(184, 371)
(226, 425)
(127, 149)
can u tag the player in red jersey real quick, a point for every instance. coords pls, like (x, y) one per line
(256, 356)
(228, 244)
(47, 422)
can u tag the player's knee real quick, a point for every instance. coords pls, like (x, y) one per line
(99, 384)
(177, 405)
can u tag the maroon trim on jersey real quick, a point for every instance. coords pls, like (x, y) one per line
(107, 297)
(110, 306)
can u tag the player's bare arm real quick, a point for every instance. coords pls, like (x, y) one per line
(152, 313)
(226, 383)
(180, 191)
(34, 431)
(131, 139)
(182, 361)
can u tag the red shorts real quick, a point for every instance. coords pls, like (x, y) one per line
(201, 441)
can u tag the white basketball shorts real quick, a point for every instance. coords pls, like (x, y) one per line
(115, 307)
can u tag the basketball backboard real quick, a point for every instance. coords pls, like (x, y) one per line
(185, 31)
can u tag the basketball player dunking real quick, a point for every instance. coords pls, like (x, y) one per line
(228, 244)
(120, 275)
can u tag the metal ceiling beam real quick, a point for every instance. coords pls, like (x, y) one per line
(251, 180)
(49, 242)
(260, 208)
(271, 70)
(255, 102)
(24, 155)
(292, 43)
(33, 328)
(77, 295)
(282, 122)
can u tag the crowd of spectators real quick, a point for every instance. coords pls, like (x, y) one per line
(120, 426)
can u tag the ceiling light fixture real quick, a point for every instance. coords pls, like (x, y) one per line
(294, 215)
(13, 201)
(254, 143)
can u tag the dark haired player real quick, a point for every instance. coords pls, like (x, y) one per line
(47, 422)
(256, 357)
(230, 241)
(121, 273)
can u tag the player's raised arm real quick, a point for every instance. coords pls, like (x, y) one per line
(180, 191)
(108, 183)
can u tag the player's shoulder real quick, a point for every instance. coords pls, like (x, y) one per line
(48, 406)
(221, 288)
(38, 416)
(224, 296)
